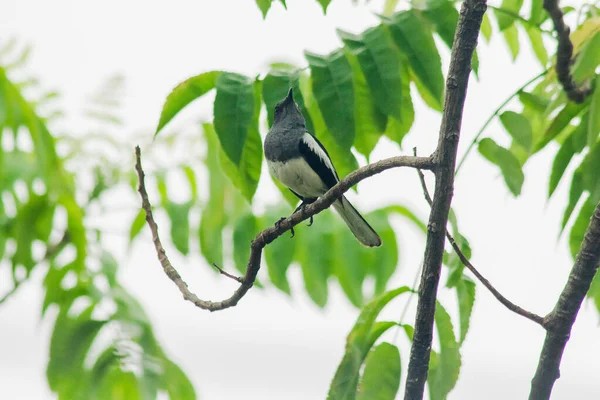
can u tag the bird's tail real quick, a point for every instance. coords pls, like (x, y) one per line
(357, 224)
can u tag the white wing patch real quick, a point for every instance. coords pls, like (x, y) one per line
(315, 148)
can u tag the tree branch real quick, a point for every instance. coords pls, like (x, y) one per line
(465, 41)
(507, 303)
(560, 320)
(564, 53)
(268, 235)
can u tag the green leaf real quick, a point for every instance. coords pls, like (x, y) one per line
(465, 291)
(445, 19)
(333, 89)
(180, 225)
(505, 15)
(381, 378)
(71, 340)
(184, 93)
(370, 121)
(408, 214)
(177, 383)
(511, 36)
(594, 115)
(191, 178)
(137, 225)
(109, 267)
(580, 226)
(246, 174)
(538, 14)
(383, 259)
(279, 255)
(537, 44)
(359, 342)
(594, 292)
(213, 217)
(587, 59)
(119, 385)
(244, 231)
(324, 4)
(76, 229)
(534, 101)
(264, 6)
(444, 371)
(380, 64)
(575, 192)
(486, 27)
(518, 127)
(348, 266)
(233, 113)
(508, 163)
(415, 39)
(560, 122)
(396, 130)
(315, 256)
(275, 87)
(590, 167)
(572, 145)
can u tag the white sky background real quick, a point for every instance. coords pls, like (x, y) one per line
(271, 346)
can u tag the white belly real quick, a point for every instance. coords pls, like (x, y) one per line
(297, 175)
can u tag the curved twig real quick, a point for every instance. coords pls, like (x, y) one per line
(268, 235)
(564, 54)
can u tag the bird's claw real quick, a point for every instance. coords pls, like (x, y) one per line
(310, 221)
(278, 224)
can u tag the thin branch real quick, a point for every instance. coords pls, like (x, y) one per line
(227, 274)
(494, 115)
(507, 303)
(268, 235)
(465, 41)
(564, 54)
(560, 320)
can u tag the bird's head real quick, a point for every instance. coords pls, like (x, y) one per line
(287, 112)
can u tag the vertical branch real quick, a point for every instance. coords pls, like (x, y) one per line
(465, 41)
(559, 322)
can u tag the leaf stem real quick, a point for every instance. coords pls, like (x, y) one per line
(494, 115)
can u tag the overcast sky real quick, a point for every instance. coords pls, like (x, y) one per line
(272, 346)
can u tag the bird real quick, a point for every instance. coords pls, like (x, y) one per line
(301, 163)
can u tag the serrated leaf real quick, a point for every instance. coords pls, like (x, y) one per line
(465, 291)
(537, 44)
(244, 231)
(315, 256)
(380, 65)
(518, 127)
(185, 93)
(574, 144)
(233, 113)
(593, 129)
(333, 90)
(445, 19)
(246, 174)
(444, 371)
(511, 37)
(370, 121)
(505, 14)
(414, 38)
(397, 130)
(359, 342)
(180, 225)
(279, 255)
(381, 378)
(508, 163)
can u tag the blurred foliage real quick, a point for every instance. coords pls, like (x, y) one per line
(353, 98)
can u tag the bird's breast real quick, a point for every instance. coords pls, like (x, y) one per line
(297, 175)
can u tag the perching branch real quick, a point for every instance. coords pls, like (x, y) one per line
(564, 54)
(465, 41)
(268, 235)
(507, 303)
(559, 322)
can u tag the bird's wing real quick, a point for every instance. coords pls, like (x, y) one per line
(318, 159)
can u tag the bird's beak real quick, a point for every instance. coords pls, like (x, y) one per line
(290, 97)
